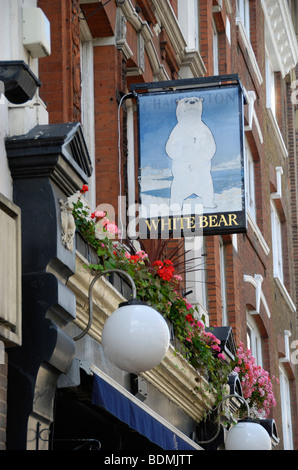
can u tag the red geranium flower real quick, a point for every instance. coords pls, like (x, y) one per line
(84, 189)
(189, 318)
(165, 269)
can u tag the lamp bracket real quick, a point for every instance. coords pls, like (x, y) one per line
(219, 406)
(99, 275)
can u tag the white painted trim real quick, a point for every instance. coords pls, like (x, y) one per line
(287, 358)
(278, 194)
(256, 281)
(132, 232)
(251, 97)
(87, 91)
(249, 49)
(258, 234)
(280, 35)
(285, 294)
(277, 133)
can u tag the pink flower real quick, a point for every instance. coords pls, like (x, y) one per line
(98, 215)
(256, 382)
(111, 228)
(142, 254)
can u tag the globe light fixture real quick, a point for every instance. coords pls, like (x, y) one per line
(248, 436)
(135, 337)
(245, 435)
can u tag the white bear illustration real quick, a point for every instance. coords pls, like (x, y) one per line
(191, 147)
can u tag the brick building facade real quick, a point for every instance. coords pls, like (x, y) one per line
(99, 49)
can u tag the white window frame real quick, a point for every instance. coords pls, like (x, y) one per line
(270, 85)
(254, 340)
(250, 181)
(277, 253)
(87, 100)
(285, 399)
(243, 13)
(188, 17)
(195, 249)
(223, 282)
(215, 50)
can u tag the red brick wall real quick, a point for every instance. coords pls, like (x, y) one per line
(60, 72)
(107, 81)
(206, 35)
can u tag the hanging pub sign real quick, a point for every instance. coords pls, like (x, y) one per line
(191, 168)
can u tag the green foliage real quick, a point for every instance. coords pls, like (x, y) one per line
(157, 284)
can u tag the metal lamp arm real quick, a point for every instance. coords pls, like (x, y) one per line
(219, 406)
(90, 300)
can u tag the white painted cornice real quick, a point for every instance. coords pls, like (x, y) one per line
(256, 281)
(185, 56)
(167, 19)
(143, 28)
(249, 49)
(281, 39)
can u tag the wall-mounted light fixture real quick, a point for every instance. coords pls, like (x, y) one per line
(245, 435)
(135, 337)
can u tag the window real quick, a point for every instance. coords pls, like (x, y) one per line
(243, 13)
(270, 86)
(188, 16)
(87, 106)
(195, 262)
(254, 341)
(285, 399)
(223, 283)
(276, 243)
(215, 50)
(250, 181)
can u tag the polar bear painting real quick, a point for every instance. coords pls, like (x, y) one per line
(191, 147)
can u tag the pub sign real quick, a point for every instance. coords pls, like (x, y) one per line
(191, 162)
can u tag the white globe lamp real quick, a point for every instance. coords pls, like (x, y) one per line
(248, 436)
(135, 337)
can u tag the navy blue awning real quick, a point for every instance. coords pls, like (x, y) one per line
(125, 409)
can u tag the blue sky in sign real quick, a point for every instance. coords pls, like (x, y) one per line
(157, 117)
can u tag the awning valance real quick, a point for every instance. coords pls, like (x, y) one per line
(122, 404)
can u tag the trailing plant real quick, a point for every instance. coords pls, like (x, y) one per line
(257, 386)
(157, 284)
